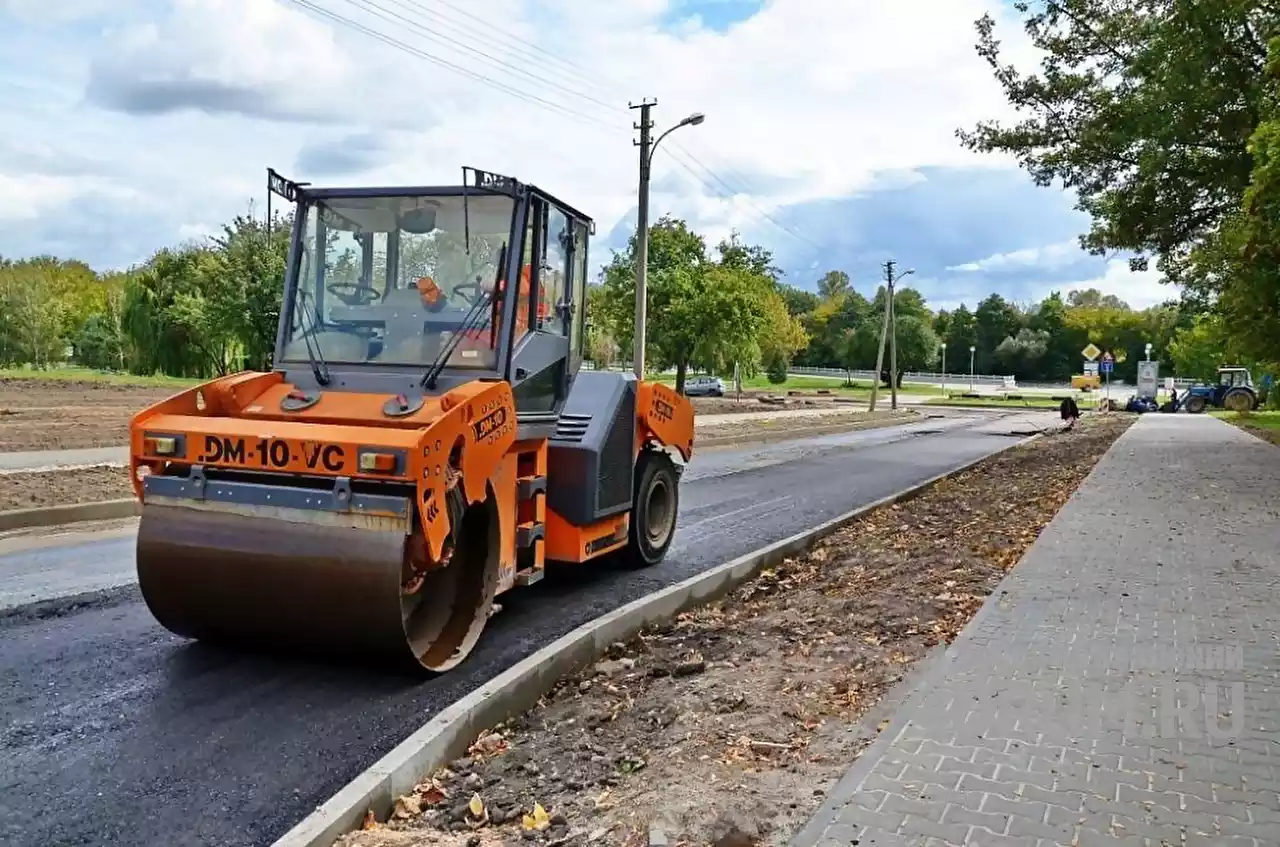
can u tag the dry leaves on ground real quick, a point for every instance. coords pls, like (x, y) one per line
(726, 726)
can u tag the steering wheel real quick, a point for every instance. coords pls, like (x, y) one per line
(354, 293)
(474, 287)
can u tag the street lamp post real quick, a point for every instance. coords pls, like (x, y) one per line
(1148, 351)
(647, 149)
(944, 369)
(972, 351)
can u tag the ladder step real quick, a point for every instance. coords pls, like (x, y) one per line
(528, 486)
(524, 578)
(527, 533)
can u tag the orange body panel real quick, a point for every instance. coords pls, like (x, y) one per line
(569, 543)
(665, 417)
(241, 425)
(504, 491)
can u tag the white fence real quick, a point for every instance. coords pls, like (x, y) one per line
(907, 376)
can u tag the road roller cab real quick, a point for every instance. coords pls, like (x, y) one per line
(425, 439)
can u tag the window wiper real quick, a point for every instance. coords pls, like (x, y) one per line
(318, 365)
(469, 322)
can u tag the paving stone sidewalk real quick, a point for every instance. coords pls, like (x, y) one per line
(1121, 686)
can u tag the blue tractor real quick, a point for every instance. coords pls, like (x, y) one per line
(1234, 391)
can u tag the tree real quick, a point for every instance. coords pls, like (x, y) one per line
(917, 343)
(833, 285)
(776, 368)
(701, 312)
(1062, 347)
(994, 320)
(1092, 298)
(752, 258)
(1143, 107)
(1198, 351)
(1021, 355)
(961, 333)
(781, 334)
(799, 302)
(249, 273)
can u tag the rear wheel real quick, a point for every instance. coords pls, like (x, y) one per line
(1238, 400)
(1195, 405)
(653, 510)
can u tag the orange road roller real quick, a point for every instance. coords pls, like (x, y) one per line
(425, 441)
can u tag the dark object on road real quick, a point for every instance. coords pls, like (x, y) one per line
(1070, 411)
(1140, 405)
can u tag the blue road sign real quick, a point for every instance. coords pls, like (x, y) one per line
(1106, 366)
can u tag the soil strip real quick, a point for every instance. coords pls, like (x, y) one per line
(728, 725)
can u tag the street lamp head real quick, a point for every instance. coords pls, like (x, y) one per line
(973, 349)
(944, 345)
(908, 271)
(694, 119)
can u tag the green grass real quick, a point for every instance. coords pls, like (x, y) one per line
(74, 374)
(1260, 420)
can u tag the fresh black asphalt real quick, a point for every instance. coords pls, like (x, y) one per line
(116, 732)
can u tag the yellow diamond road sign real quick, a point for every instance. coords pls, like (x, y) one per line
(1091, 352)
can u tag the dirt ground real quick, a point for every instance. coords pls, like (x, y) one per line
(63, 488)
(734, 433)
(759, 401)
(728, 726)
(56, 415)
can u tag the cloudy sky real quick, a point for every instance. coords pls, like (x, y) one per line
(131, 124)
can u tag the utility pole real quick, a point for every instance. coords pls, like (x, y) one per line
(884, 335)
(888, 334)
(642, 236)
(891, 307)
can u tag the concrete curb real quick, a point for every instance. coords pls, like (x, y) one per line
(73, 513)
(449, 733)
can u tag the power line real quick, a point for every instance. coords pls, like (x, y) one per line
(747, 198)
(389, 16)
(491, 29)
(379, 11)
(452, 66)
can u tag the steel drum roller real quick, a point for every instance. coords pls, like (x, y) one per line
(321, 590)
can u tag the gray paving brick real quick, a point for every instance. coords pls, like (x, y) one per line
(1110, 691)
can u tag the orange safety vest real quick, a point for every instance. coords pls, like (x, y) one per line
(522, 316)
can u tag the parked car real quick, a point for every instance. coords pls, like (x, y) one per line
(704, 386)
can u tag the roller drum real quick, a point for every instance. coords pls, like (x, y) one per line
(320, 590)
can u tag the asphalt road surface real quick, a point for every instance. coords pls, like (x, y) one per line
(117, 732)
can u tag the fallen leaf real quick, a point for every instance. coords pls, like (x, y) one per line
(476, 806)
(370, 820)
(407, 807)
(539, 820)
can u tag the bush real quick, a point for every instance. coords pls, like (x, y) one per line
(777, 369)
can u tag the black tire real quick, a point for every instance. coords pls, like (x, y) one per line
(1239, 400)
(654, 507)
(1195, 405)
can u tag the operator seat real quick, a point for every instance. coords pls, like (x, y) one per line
(405, 340)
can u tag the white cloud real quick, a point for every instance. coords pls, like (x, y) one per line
(808, 99)
(1057, 255)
